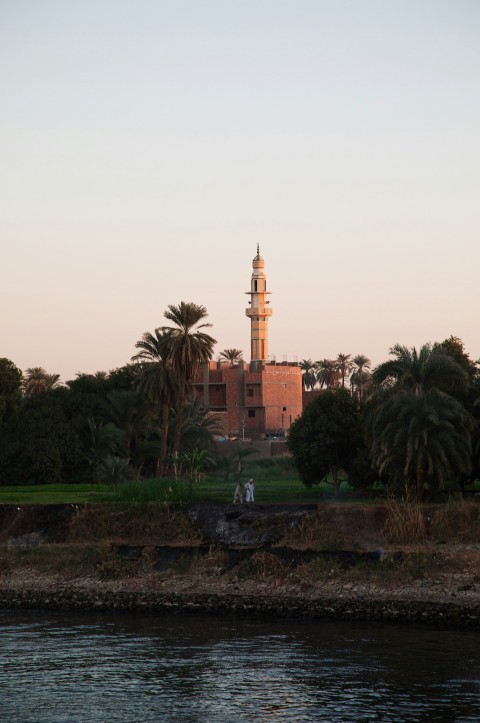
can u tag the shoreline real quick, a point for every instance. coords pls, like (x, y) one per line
(398, 605)
(440, 614)
(325, 562)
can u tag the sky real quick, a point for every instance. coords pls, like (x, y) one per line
(147, 146)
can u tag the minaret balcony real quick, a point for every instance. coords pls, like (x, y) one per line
(259, 311)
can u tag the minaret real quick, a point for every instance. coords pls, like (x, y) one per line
(258, 311)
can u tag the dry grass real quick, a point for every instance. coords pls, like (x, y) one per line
(261, 566)
(456, 520)
(156, 524)
(391, 570)
(334, 526)
(405, 523)
(54, 559)
(74, 561)
(215, 559)
(315, 531)
(319, 570)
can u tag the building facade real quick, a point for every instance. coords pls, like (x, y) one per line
(258, 399)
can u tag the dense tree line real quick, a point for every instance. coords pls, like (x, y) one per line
(343, 371)
(140, 419)
(413, 423)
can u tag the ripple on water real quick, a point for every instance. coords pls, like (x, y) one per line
(104, 668)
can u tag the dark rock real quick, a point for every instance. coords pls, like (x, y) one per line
(246, 524)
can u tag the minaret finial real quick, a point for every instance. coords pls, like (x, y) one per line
(258, 249)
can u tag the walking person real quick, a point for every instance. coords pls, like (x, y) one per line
(249, 487)
(238, 495)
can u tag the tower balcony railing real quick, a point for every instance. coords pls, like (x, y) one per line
(259, 311)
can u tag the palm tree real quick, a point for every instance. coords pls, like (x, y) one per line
(360, 374)
(429, 368)
(199, 426)
(308, 373)
(128, 410)
(344, 366)
(421, 437)
(103, 441)
(415, 425)
(232, 355)
(37, 380)
(157, 381)
(327, 373)
(188, 348)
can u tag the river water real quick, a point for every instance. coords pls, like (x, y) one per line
(89, 668)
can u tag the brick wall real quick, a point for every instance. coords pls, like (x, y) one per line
(258, 398)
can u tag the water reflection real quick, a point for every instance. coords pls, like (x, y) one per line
(104, 668)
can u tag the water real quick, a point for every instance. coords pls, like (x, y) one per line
(68, 668)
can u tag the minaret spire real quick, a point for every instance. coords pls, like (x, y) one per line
(258, 312)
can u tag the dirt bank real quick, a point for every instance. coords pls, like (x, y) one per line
(288, 560)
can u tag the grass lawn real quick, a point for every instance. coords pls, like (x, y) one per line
(53, 494)
(269, 488)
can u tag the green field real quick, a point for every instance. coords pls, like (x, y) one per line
(269, 488)
(53, 494)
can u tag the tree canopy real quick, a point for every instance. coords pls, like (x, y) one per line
(325, 439)
(417, 428)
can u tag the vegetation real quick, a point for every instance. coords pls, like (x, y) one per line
(157, 383)
(360, 377)
(10, 386)
(138, 434)
(334, 373)
(324, 441)
(188, 348)
(417, 429)
(37, 380)
(109, 427)
(232, 355)
(309, 378)
(274, 483)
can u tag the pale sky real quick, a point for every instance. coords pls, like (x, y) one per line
(147, 146)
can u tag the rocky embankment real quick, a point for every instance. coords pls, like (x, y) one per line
(274, 560)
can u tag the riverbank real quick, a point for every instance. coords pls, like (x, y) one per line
(282, 561)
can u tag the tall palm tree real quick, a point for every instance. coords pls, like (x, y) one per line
(361, 366)
(37, 380)
(327, 373)
(188, 348)
(415, 424)
(308, 373)
(344, 366)
(157, 381)
(232, 355)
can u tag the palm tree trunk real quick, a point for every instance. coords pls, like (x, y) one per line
(420, 482)
(163, 439)
(178, 427)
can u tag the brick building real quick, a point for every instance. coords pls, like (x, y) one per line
(258, 399)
